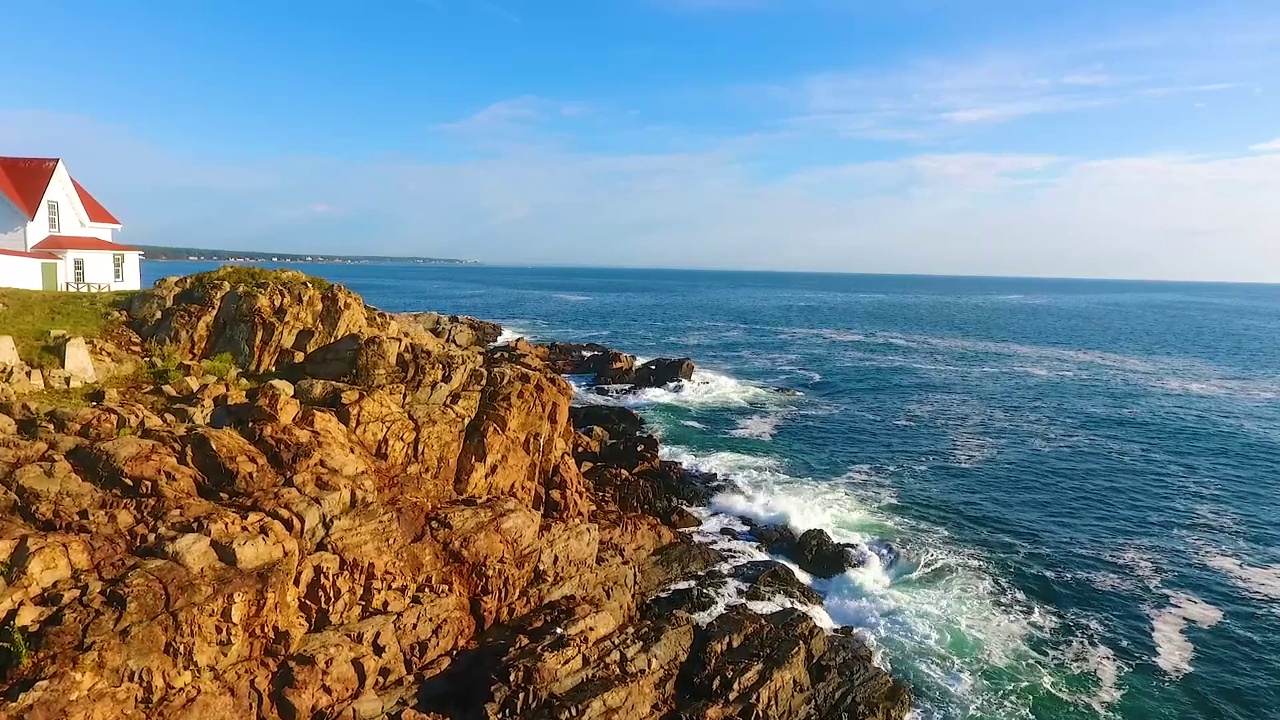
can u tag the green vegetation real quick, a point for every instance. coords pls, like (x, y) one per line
(16, 650)
(221, 366)
(29, 315)
(165, 363)
(254, 276)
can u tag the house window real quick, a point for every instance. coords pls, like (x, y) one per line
(117, 260)
(77, 269)
(54, 224)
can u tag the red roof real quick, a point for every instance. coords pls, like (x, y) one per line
(96, 212)
(74, 242)
(25, 180)
(33, 255)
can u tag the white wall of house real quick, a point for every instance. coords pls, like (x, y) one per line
(25, 273)
(99, 267)
(13, 223)
(71, 217)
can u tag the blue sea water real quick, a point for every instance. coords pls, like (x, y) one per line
(1081, 478)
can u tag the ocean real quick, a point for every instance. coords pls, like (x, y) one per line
(1075, 484)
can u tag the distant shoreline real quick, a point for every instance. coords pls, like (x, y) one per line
(178, 254)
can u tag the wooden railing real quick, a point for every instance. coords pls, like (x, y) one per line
(88, 287)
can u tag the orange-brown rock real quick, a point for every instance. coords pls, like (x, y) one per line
(400, 529)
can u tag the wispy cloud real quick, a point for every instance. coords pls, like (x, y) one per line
(1266, 147)
(1004, 213)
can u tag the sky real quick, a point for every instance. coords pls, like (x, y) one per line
(1091, 138)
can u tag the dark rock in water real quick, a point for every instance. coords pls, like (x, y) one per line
(612, 390)
(729, 532)
(814, 551)
(662, 372)
(612, 368)
(697, 599)
(784, 667)
(573, 359)
(768, 578)
(617, 421)
(787, 391)
(777, 539)
(818, 554)
(682, 519)
(780, 666)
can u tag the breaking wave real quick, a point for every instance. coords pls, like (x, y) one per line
(707, 389)
(936, 614)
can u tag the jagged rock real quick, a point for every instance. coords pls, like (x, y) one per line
(410, 528)
(768, 579)
(682, 519)
(816, 553)
(663, 371)
(617, 421)
(105, 396)
(571, 359)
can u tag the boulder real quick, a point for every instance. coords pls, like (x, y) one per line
(769, 579)
(618, 422)
(76, 361)
(816, 553)
(663, 371)
(611, 368)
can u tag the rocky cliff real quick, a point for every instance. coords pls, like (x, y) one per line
(389, 519)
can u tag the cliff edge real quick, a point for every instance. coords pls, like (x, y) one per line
(371, 516)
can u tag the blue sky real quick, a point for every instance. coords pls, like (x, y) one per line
(1086, 138)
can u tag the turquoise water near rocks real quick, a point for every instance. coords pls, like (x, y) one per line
(1081, 479)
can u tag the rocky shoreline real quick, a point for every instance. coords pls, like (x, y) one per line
(382, 516)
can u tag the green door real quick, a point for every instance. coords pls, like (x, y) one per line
(49, 274)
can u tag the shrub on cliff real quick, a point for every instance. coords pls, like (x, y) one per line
(254, 276)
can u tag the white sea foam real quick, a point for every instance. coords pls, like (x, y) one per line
(1259, 581)
(570, 297)
(758, 427)
(1173, 650)
(936, 610)
(508, 334)
(707, 389)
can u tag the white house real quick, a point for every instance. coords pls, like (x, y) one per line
(54, 235)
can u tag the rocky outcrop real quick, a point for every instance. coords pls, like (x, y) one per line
(400, 524)
(813, 551)
(610, 367)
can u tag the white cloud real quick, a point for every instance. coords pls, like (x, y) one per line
(1165, 217)
(1267, 147)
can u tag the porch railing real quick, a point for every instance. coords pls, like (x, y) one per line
(88, 287)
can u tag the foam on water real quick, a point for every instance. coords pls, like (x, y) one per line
(1258, 581)
(758, 427)
(508, 334)
(707, 389)
(1173, 650)
(936, 615)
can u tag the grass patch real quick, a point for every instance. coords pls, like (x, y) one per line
(254, 276)
(15, 648)
(165, 362)
(221, 366)
(29, 315)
